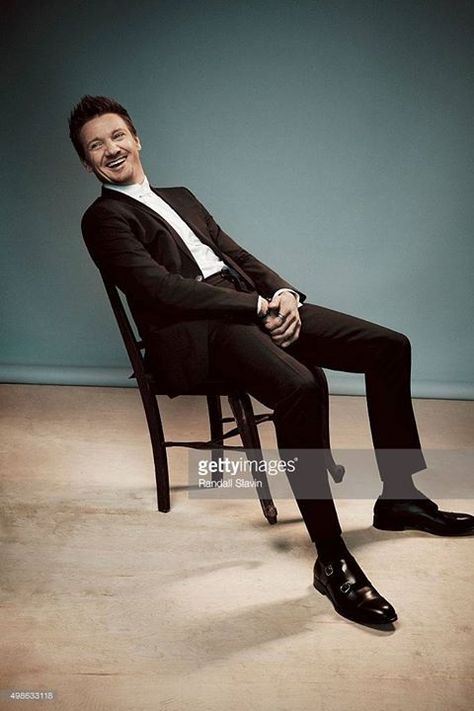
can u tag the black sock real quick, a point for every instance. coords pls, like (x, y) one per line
(400, 490)
(330, 548)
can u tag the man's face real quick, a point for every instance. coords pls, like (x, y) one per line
(111, 150)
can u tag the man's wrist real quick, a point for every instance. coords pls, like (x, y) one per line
(290, 291)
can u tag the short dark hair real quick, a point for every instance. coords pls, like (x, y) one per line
(90, 107)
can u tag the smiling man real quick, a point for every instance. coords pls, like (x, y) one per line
(112, 148)
(206, 307)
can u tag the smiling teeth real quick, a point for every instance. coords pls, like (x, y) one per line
(115, 163)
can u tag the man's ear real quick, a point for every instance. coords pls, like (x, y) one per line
(87, 166)
(139, 145)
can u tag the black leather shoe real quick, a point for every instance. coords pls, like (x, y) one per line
(420, 515)
(351, 592)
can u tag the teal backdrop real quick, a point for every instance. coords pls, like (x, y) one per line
(333, 139)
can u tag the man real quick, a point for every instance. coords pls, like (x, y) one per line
(205, 306)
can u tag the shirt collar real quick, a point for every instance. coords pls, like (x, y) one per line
(137, 190)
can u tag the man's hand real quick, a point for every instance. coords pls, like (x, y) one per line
(282, 319)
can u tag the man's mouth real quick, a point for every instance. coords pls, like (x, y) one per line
(116, 162)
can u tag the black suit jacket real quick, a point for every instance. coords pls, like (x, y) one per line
(144, 256)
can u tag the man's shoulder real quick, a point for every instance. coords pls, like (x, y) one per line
(105, 207)
(117, 202)
(175, 189)
(112, 206)
(178, 197)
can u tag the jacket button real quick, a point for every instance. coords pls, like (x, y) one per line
(198, 277)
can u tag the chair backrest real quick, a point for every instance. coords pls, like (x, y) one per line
(133, 345)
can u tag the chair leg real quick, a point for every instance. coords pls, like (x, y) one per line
(242, 409)
(160, 458)
(216, 430)
(335, 470)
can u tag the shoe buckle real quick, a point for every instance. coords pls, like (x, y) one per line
(329, 570)
(345, 587)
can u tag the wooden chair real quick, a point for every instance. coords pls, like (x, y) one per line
(245, 420)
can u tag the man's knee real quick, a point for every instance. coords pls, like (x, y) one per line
(304, 384)
(400, 342)
(395, 345)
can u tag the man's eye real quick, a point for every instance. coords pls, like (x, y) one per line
(94, 146)
(119, 135)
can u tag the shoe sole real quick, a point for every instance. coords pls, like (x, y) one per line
(387, 526)
(321, 589)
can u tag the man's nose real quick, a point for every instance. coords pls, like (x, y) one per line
(111, 148)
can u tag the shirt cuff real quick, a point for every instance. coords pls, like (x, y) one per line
(260, 307)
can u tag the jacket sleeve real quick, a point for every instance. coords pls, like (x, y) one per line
(122, 258)
(265, 279)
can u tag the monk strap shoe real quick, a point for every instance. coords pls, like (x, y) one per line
(351, 592)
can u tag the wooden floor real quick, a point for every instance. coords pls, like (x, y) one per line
(114, 606)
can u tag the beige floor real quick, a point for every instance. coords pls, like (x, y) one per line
(114, 606)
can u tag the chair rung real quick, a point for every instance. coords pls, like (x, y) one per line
(231, 433)
(234, 432)
(202, 445)
(210, 444)
(264, 417)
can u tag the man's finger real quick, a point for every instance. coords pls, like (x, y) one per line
(276, 323)
(271, 324)
(280, 336)
(281, 330)
(292, 339)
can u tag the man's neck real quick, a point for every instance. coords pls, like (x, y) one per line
(134, 190)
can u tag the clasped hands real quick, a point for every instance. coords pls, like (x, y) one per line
(281, 319)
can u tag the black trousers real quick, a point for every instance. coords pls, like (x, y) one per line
(282, 379)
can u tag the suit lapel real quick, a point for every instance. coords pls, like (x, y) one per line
(141, 206)
(183, 213)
